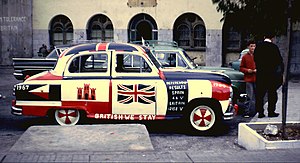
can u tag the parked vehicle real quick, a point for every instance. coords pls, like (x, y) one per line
(25, 67)
(120, 81)
(171, 56)
(236, 64)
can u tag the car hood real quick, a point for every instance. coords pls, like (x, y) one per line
(230, 72)
(192, 74)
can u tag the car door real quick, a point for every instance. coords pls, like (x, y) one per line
(86, 83)
(134, 84)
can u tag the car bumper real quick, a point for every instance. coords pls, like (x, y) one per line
(19, 76)
(16, 110)
(230, 113)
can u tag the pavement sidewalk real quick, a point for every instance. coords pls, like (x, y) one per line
(293, 105)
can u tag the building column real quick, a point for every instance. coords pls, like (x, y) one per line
(165, 35)
(79, 35)
(213, 48)
(120, 35)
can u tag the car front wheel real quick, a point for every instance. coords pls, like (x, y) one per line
(67, 117)
(203, 118)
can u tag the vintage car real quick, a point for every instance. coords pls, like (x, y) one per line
(171, 56)
(119, 81)
(25, 67)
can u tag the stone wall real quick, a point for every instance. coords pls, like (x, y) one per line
(200, 57)
(40, 36)
(213, 48)
(15, 30)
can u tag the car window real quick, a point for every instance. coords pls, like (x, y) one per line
(89, 63)
(129, 63)
(166, 59)
(170, 59)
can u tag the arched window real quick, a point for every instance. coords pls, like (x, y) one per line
(199, 36)
(189, 32)
(232, 39)
(100, 28)
(142, 25)
(61, 30)
(184, 35)
(235, 39)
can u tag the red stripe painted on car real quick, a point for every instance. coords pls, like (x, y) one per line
(101, 46)
(47, 76)
(64, 52)
(220, 91)
(91, 107)
(35, 110)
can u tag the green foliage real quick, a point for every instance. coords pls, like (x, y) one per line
(258, 16)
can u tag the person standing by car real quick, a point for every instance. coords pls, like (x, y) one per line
(269, 75)
(43, 50)
(248, 67)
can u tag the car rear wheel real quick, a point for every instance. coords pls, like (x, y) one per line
(203, 118)
(67, 117)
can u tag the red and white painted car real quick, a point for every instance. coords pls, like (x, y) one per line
(119, 81)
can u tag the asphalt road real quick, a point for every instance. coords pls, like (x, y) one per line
(164, 135)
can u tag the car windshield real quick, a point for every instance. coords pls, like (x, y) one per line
(153, 58)
(189, 60)
(54, 54)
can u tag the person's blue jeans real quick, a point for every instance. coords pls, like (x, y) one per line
(250, 103)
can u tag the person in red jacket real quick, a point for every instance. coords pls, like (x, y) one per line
(248, 67)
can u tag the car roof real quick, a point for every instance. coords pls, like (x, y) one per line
(101, 47)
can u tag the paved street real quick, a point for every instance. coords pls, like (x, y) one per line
(169, 144)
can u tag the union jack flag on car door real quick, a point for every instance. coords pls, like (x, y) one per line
(139, 93)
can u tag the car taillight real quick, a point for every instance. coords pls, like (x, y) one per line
(26, 77)
(13, 103)
(236, 108)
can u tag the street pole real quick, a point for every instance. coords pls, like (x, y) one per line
(286, 71)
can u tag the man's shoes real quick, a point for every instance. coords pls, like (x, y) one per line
(273, 114)
(261, 115)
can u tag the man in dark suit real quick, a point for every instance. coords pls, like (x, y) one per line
(269, 75)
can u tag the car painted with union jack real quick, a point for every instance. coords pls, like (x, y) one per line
(120, 81)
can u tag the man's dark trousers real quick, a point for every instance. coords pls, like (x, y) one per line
(266, 83)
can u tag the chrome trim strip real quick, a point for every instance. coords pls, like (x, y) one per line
(16, 111)
(38, 103)
(238, 81)
(228, 116)
(18, 74)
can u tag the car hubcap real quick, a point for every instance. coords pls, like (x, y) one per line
(67, 117)
(202, 118)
